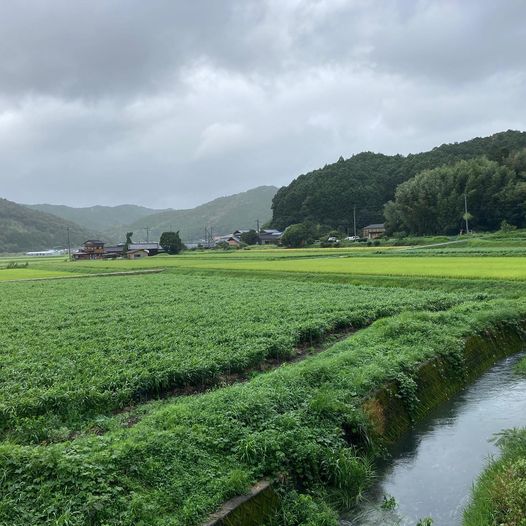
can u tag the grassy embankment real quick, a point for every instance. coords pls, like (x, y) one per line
(499, 496)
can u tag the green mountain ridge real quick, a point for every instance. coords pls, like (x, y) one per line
(222, 215)
(100, 218)
(368, 181)
(23, 229)
(38, 227)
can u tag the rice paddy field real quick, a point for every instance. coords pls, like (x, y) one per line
(30, 273)
(152, 399)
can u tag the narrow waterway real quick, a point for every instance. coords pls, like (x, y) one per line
(431, 470)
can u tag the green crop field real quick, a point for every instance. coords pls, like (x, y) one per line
(151, 399)
(486, 267)
(96, 345)
(394, 262)
(454, 267)
(8, 274)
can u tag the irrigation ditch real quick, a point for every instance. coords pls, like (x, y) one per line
(389, 412)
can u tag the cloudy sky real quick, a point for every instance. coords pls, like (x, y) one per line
(170, 103)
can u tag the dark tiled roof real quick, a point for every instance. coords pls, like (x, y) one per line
(114, 248)
(144, 246)
(376, 225)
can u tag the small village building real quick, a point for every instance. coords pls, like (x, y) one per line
(373, 231)
(114, 251)
(152, 248)
(233, 241)
(237, 233)
(137, 254)
(92, 249)
(270, 236)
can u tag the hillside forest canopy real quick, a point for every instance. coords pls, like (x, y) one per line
(366, 182)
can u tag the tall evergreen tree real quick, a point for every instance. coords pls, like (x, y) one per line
(171, 242)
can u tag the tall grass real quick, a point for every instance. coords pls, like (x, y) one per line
(499, 497)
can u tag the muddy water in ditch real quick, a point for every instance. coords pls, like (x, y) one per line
(432, 469)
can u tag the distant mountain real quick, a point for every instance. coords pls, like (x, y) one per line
(368, 181)
(223, 215)
(99, 218)
(23, 229)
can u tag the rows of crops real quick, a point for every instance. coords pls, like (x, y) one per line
(185, 456)
(90, 346)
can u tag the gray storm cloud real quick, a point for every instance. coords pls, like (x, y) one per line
(172, 103)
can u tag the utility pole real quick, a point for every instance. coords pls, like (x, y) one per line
(147, 228)
(208, 236)
(466, 216)
(69, 247)
(257, 231)
(354, 219)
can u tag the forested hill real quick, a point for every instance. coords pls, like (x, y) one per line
(223, 215)
(23, 229)
(98, 217)
(368, 181)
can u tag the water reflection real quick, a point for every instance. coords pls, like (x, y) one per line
(431, 470)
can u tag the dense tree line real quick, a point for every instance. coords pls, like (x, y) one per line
(369, 180)
(433, 202)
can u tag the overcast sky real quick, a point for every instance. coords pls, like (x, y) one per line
(170, 103)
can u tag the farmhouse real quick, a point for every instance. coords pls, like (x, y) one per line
(374, 231)
(92, 249)
(233, 241)
(270, 236)
(267, 236)
(114, 251)
(95, 249)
